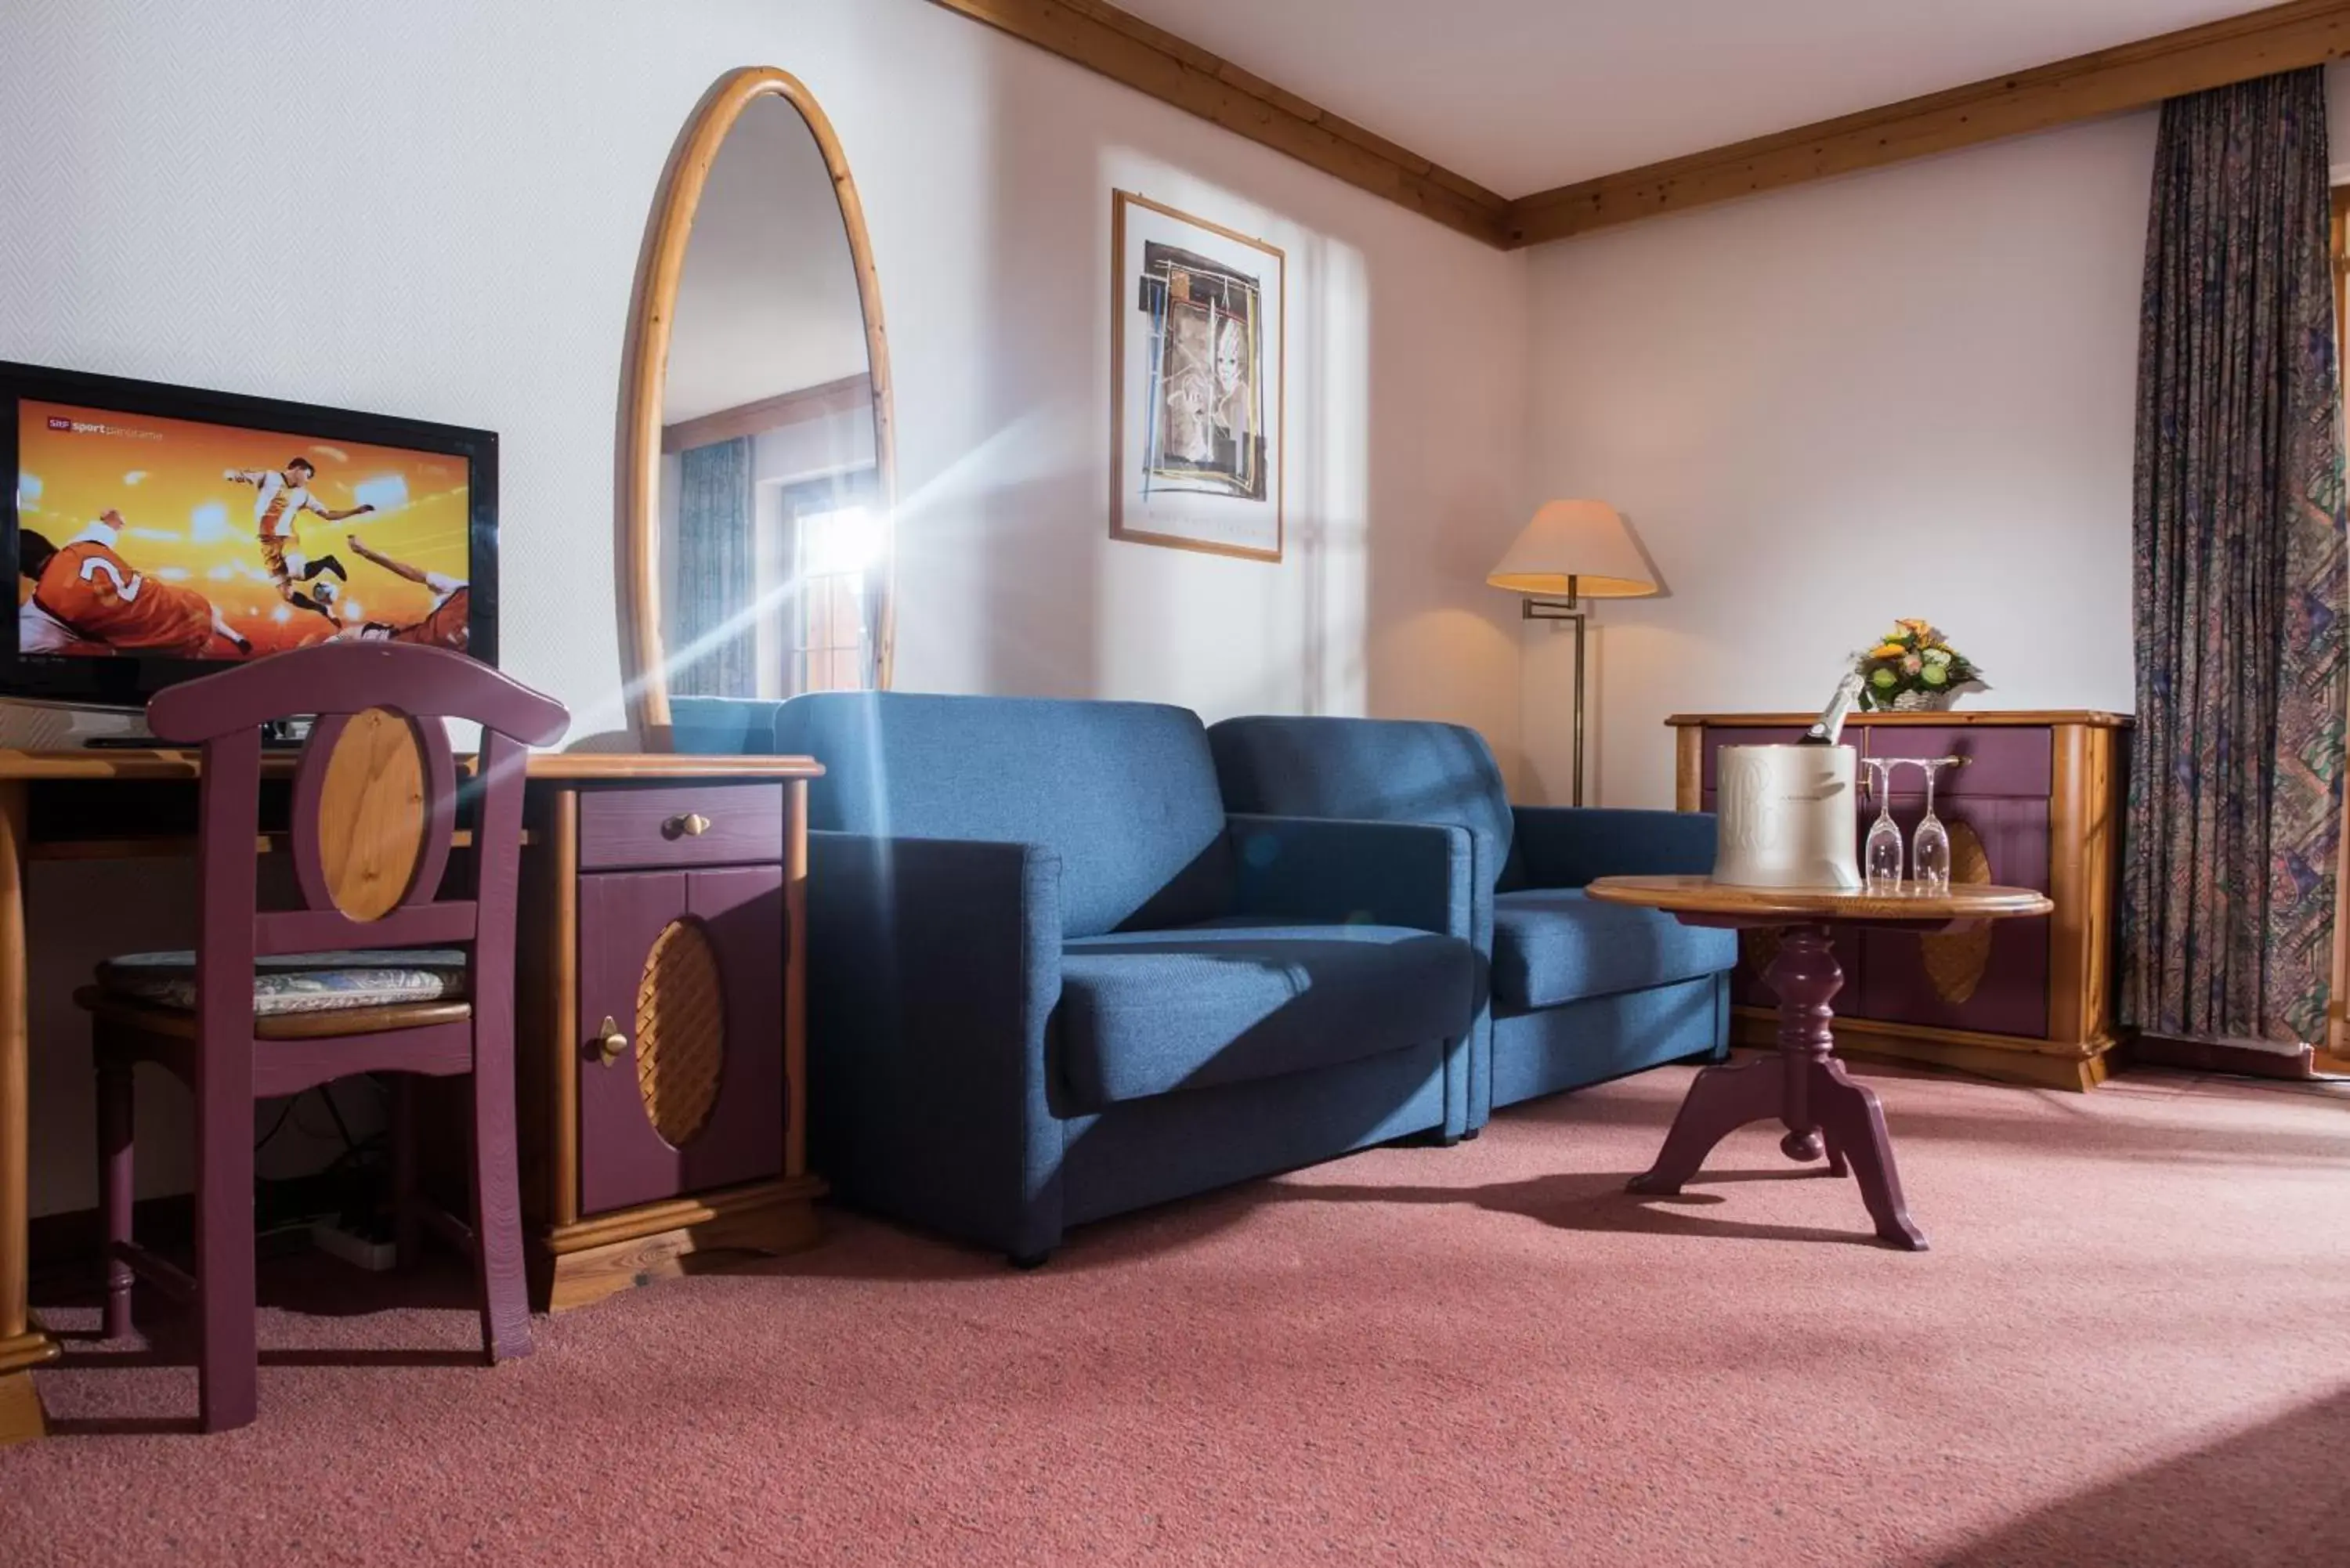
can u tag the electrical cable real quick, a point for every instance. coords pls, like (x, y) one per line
(350, 1144)
(278, 1125)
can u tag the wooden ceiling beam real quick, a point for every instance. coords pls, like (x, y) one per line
(1127, 49)
(1103, 39)
(2088, 87)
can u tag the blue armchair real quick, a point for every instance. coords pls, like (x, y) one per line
(1574, 991)
(1051, 980)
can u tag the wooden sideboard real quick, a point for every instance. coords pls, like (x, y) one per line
(2037, 804)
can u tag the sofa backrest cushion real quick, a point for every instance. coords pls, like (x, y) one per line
(723, 726)
(1125, 792)
(1376, 769)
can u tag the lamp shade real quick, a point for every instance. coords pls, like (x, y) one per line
(1584, 541)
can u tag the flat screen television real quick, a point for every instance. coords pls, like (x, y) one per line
(155, 533)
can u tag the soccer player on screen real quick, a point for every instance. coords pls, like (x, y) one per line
(281, 496)
(86, 598)
(445, 625)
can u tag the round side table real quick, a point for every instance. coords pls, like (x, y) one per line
(1806, 1088)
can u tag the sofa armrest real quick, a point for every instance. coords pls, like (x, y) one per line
(1568, 847)
(1385, 873)
(933, 965)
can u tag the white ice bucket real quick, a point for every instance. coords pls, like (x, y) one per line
(1788, 818)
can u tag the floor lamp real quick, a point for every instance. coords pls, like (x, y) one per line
(1574, 551)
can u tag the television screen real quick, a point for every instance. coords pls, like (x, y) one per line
(157, 532)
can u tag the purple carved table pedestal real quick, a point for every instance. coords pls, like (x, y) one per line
(1806, 1088)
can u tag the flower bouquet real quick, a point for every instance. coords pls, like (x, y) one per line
(1912, 668)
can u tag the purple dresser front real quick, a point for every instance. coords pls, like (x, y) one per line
(1993, 980)
(683, 1089)
(677, 970)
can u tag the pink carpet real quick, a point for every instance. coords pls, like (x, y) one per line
(2130, 1344)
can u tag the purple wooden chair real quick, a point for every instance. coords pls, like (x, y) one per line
(375, 812)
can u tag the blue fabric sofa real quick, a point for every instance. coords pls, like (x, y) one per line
(723, 726)
(1576, 991)
(1051, 980)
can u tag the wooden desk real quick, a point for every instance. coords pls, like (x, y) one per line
(619, 916)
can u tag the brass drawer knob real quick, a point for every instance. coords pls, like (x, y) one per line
(611, 1044)
(693, 825)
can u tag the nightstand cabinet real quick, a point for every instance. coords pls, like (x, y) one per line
(662, 1018)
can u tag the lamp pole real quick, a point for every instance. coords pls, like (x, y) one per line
(1570, 609)
(1567, 545)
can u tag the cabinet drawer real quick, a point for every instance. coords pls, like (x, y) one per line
(693, 824)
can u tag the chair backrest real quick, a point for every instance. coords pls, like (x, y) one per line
(375, 808)
(1125, 792)
(1371, 770)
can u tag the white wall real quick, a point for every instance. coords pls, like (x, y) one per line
(437, 212)
(1909, 392)
(443, 220)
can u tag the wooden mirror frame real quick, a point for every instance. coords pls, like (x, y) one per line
(645, 377)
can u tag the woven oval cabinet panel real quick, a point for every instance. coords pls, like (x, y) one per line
(680, 1031)
(1955, 960)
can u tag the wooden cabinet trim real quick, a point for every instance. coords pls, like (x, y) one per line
(563, 1002)
(2068, 933)
(1991, 716)
(796, 873)
(182, 765)
(1688, 767)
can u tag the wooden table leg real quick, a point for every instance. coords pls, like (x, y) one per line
(23, 1346)
(1723, 1100)
(1855, 1128)
(1806, 1088)
(1806, 977)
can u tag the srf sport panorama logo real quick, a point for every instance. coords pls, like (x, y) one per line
(95, 427)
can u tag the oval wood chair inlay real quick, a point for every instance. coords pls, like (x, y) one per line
(275, 1001)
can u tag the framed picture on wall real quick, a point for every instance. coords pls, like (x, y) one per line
(1195, 383)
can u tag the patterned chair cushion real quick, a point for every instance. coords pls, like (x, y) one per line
(298, 983)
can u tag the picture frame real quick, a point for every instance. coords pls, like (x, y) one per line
(1198, 313)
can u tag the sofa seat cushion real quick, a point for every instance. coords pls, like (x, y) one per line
(1144, 1013)
(1554, 946)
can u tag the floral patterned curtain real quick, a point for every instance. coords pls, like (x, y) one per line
(2236, 768)
(716, 642)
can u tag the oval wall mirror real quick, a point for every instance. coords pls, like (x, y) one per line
(756, 481)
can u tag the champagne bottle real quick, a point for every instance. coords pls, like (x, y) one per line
(1832, 717)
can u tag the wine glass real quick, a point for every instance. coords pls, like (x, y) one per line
(1883, 856)
(1929, 848)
